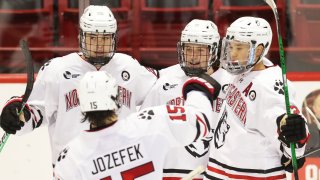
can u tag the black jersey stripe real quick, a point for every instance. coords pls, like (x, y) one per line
(182, 171)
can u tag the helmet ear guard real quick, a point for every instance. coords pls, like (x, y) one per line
(98, 21)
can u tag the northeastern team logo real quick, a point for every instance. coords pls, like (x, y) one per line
(221, 131)
(252, 95)
(125, 75)
(201, 147)
(225, 88)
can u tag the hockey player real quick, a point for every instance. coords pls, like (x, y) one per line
(252, 136)
(134, 147)
(54, 99)
(197, 52)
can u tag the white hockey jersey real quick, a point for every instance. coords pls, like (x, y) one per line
(168, 90)
(54, 100)
(245, 143)
(135, 147)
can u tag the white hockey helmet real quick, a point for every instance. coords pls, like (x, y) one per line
(98, 91)
(202, 32)
(252, 30)
(98, 20)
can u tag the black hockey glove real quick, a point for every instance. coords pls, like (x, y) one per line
(292, 129)
(287, 164)
(9, 119)
(204, 83)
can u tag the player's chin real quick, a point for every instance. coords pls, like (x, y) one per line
(100, 54)
(194, 65)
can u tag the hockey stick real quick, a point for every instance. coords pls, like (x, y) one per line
(30, 79)
(284, 78)
(200, 169)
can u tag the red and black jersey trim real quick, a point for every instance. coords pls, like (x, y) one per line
(245, 170)
(37, 122)
(244, 173)
(181, 172)
(211, 177)
(237, 176)
(206, 125)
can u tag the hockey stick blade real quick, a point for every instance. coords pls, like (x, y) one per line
(273, 6)
(30, 79)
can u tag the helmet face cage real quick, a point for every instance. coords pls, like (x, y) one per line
(243, 51)
(98, 48)
(98, 34)
(198, 46)
(196, 58)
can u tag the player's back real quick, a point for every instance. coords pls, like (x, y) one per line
(135, 146)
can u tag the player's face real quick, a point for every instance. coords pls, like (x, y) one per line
(239, 51)
(196, 55)
(98, 45)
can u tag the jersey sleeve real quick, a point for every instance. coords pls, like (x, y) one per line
(152, 98)
(276, 107)
(197, 122)
(182, 125)
(43, 98)
(145, 79)
(66, 169)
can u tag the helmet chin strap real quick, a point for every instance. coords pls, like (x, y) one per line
(99, 60)
(249, 67)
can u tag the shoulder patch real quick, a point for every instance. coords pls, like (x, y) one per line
(63, 154)
(146, 115)
(278, 87)
(125, 75)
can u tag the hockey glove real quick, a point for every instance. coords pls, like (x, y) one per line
(9, 119)
(292, 129)
(286, 163)
(204, 83)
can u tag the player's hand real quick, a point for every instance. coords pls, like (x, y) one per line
(9, 119)
(287, 164)
(204, 83)
(292, 129)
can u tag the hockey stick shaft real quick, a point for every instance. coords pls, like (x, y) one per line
(200, 169)
(30, 79)
(273, 6)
